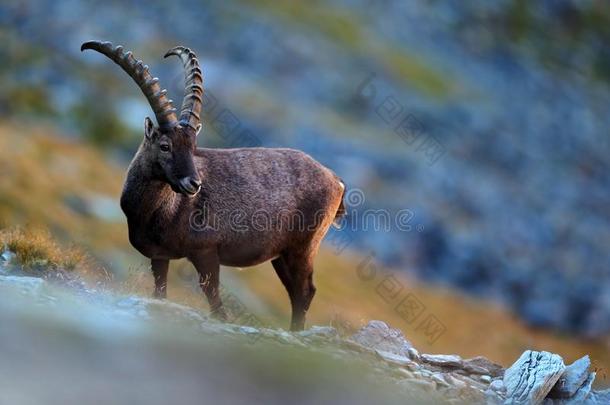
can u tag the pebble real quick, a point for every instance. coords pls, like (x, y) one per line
(485, 378)
(497, 385)
(440, 379)
(248, 330)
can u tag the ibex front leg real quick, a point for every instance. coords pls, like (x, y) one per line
(208, 267)
(159, 269)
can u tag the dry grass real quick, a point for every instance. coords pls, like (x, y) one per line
(37, 249)
(37, 253)
(41, 172)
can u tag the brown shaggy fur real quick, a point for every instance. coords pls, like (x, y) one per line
(254, 205)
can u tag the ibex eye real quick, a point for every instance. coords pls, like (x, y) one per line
(164, 147)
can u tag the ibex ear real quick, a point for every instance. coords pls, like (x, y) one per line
(149, 128)
(199, 126)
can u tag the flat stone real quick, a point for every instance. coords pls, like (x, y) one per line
(319, 331)
(442, 360)
(472, 369)
(393, 358)
(532, 376)
(482, 365)
(572, 379)
(455, 382)
(378, 335)
(249, 330)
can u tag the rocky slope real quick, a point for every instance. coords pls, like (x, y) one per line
(511, 91)
(64, 342)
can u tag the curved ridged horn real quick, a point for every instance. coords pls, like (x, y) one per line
(193, 87)
(161, 105)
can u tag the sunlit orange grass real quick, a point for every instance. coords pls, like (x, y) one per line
(40, 170)
(36, 248)
(38, 253)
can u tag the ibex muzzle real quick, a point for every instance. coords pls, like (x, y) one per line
(169, 181)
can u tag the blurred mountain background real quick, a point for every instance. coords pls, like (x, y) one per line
(486, 121)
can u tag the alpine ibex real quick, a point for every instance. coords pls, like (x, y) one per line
(170, 178)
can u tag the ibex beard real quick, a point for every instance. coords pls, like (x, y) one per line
(170, 177)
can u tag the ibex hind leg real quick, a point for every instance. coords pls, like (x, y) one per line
(208, 268)
(295, 270)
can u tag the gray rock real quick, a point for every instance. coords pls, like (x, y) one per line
(319, 331)
(378, 335)
(31, 286)
(144, 307)
(583, 392)
(455, 382)
(482, 365)
(583, 395)
(442, 360)
(532, 376)
(7, 256)
(497, 385)
(248, 330)
(471, 382)
(440, 380)
(598, 398)
(413, 353)
(572, 379)
(287, 338)
(394, 358)
(492, 398)
(485, 378)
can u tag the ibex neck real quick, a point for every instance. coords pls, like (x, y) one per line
(144, 195)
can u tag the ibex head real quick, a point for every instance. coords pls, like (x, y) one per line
(168, 147)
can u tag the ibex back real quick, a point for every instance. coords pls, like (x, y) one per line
(235, 207)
